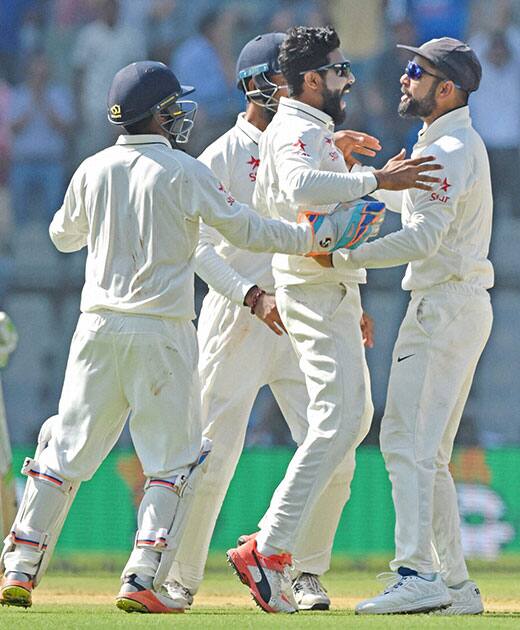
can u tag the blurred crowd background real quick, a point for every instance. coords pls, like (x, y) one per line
(57, 58)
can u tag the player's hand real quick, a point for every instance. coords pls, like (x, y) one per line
(267, 311)
(400, 173)
(349, 142)
(367, 330)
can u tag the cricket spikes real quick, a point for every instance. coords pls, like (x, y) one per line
(266, 576)
(134, 597)
(16, 590)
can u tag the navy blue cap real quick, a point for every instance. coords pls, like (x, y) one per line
(260, 55)
(141, 88)
(455, 59)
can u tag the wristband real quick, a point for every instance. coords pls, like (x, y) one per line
(254, 294)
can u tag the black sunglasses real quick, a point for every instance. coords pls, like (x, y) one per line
(342, 69)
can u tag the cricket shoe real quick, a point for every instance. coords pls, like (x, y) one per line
(466, 600)
(136, 595)
(407, 592)
(245, 537)
(179, 594)
(309, 593)
(266, 576)
(16, 589)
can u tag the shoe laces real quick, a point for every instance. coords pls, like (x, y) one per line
(181, 589)
(309, 582)
(392, 580)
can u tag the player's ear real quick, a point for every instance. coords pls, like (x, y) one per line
(313, 80)
(446, 88)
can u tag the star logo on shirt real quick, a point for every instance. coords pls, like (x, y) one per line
(300, 145)
(445, 185)
(254, 162)
(329, 140)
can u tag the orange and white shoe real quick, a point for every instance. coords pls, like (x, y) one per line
(266, 576)
(245, 537)
(16, 589)
(134, 597)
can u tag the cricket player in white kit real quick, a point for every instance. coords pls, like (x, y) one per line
(137, 207)
(445, 239)
(239, 353)
(301, 168)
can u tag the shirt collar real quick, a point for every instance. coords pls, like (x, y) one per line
(455, 119)
(143, 138)
(252, 132)
(292, 107)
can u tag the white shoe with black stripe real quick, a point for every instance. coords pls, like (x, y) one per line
(309, 593)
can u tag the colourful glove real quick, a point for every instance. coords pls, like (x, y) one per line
(347, 226)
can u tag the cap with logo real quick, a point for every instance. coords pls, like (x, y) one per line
(455, 59)
(140, 89)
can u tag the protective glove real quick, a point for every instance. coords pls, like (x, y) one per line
(347, 226)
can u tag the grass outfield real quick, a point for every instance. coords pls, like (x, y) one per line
(82, 600)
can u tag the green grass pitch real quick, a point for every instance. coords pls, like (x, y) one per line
(85, 600)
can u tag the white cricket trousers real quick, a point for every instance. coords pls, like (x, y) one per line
(119, 364)
(323, 322)
(435, 356)
(238, 355)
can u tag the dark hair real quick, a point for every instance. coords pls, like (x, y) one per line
(305, 48)
(141, 126)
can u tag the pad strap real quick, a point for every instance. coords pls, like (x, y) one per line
(158, 539)
(24, 535)
(31, 468)
(174, 483)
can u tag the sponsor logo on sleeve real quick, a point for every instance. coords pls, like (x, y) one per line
(230, 200)
(300, 147)
(443, 198)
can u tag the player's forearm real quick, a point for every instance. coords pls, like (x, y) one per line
(219, 275)
(411, 243)
(245, 229)
(313, 187)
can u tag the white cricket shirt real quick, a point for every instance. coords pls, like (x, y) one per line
(302, 169)
(136, 206)
(233, 159)
(446, 232)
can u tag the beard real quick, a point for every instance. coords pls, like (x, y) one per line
(332, 105)
(412, 108)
